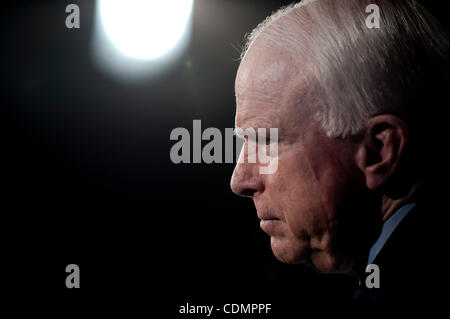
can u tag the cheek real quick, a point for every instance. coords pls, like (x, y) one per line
(297, 193)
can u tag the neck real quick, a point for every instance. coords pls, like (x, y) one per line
(390, 206)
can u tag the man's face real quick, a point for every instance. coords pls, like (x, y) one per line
(315, 206)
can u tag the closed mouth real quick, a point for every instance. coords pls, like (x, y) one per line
(270, 226)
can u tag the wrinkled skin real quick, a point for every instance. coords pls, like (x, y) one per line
(316, 206)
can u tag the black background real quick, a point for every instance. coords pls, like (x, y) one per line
(87, 177)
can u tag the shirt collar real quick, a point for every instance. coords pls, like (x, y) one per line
(388, 228)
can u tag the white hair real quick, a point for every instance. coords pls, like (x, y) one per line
(358, 72)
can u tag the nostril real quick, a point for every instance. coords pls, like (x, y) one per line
(240, 188)
(243, 188)
(245, 182)
(248, 192)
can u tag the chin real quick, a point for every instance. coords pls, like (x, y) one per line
(300, 253)
(289, 253)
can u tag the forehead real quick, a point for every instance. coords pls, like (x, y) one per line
(267, 87)
(264, 72)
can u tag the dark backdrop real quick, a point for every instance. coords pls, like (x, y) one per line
(87, 177)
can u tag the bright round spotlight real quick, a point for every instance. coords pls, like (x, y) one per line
(145, 29)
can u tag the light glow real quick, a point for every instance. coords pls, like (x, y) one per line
(145, 29)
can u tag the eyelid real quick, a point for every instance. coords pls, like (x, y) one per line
(240, 134)
(254, 138)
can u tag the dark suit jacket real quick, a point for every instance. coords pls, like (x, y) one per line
(414, 260)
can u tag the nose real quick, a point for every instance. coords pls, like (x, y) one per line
(246, 180)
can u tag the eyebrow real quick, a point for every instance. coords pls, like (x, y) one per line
(257, 122)
(240, 132)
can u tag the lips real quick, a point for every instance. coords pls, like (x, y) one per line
(269, 221)
(266, 217)
(270, 226)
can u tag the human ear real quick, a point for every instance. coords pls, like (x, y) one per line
(381, 150)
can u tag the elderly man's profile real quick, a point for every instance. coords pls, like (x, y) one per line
(360, 138)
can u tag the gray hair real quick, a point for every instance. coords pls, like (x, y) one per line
(359, 72)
